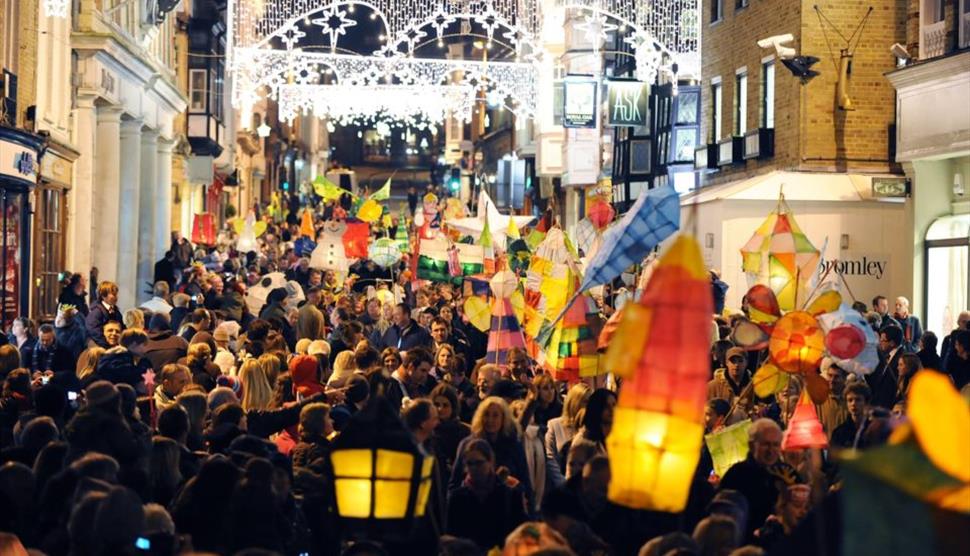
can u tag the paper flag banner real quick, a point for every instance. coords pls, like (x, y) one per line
(382, 194)
(652, 219)
(432, 261)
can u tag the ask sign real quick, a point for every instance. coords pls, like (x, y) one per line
(627, 103)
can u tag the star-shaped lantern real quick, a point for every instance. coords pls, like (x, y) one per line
(334, 23)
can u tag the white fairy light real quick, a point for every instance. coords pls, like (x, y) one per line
(334, 23)
(56, 8)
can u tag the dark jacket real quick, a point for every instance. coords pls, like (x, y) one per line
(177, 315)
(73, 336)
(266, 422)
(409, 337)
(758, 485)
(55, 358)
(118, 366)
(97, 317)
(164, 348)
(448, 435)
(309, 450)
(68, 297)
(930, 359)
(884, 379)
(165, 272)
(94, 429)
(486, 522)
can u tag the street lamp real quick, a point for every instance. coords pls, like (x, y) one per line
(382, 476)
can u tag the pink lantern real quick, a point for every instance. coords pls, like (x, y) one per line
(845, 341)
(600, 213)
(804, 428)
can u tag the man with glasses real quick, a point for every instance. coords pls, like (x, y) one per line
(884, 379)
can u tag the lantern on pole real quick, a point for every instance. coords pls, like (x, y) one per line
(382, 476)
(658, 429)
(804, 429)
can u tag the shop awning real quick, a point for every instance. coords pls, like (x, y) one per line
(797, 186)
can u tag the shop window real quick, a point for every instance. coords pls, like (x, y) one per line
(716, 109)
(768, 94)
(11, 265)
(741, 102)
(946, 281)
(48, 250)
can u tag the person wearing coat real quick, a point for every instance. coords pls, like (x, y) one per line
(103, 310)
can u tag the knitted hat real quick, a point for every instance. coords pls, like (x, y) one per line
(100, 392)
(302, 345)
(232, 383)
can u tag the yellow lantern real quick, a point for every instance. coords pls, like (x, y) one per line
(382, 477)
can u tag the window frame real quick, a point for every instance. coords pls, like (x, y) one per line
(767, 119)
(194, 90)
(740, 101)
(717, 11)
(717, 117)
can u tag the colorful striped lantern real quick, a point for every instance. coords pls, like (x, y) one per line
(655, 442)
(804, 429)
(504, 332)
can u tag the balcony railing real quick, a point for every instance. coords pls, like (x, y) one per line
(125, 17)
(932, 40)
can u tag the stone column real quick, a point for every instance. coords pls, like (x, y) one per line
(104, 212)
(81, 195)
(128, 214)
(147, 213)
(163, 197)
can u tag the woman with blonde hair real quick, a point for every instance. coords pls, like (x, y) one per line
(256, 387)
(134, 318)
(494, 423)
(562, 429)
(89, 361)
(272, 366)
(444, 361)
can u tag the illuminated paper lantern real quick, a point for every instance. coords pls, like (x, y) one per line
(384, 252)
(768, 380)
(600, 214)
(797, 343)
(401, 237)
(381, 476)
(306, 224)
(657, 432)
(477, 312)
(940, 417)
(356, 238)
(432, 260)
(504, 332)
(728, 446)
(841, 342)
(804, 429)
(203, 229)
(248, 230)
(503, 284)
(370, 211)
(329, 252)
(780, 255)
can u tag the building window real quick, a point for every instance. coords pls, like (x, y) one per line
(741, 102)
(964, 23)
(768, 94)
(10, 41)
(738, 4)
(197, 90)
(935, 11)
(48, 250)
(715, 111)
(717, 10)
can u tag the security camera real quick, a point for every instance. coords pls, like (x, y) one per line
(778, 42)
(900, 52)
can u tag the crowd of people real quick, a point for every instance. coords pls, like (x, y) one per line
(192, 423)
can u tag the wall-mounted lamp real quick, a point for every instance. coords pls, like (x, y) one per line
(709, 241)
(958, 188)
(844, 241)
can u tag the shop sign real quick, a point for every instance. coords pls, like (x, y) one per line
(55, 169)
(17, 161)
(867, 266)
(627, 103)
(579, 101)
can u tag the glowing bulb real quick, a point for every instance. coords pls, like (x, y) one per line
(441, 43)
(488, 45)
(373, 15)
(381, 38)
(360, 134)
(350, 8)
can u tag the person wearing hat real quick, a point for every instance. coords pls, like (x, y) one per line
(732, 381)
(100, 427)
(164, 346)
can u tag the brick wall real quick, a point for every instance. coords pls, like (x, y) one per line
(823, 137)
(26, 74)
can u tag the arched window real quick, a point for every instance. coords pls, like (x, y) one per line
(946, 269)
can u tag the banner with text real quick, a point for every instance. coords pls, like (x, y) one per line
(627, 103)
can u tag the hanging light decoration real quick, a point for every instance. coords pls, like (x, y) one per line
(804, 429)
(56, 8)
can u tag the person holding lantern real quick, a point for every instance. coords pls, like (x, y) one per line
(757, 477)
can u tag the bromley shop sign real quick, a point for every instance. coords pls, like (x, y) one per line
(867, 266)
(627, 103)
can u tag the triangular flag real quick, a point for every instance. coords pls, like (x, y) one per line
(382, 194)
(306, 224)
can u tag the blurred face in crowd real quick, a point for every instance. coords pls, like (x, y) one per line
(443, 405)
(963, 321)
(446, 313)
(493, 419)
(856, 405)
(428, 426)
(445, 359)
(519, 365)
(392, 361)
(736, 365)
(902, 306)
(17, 328)
(424, 319)
(766, 447)
(546, 392)
(174, 385)
(111, 298)
(112, 333)
(439, 332)
(882, 306)
(217, 286)
(485, 382)
(607, 418)
(374, 309)
(419, 373)
(401, 317)
(47, 340)
(479, 467)
(836, 379)
(315, 278)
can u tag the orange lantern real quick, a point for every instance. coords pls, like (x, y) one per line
(797, 343)
(804, 428)
(657, 432)
(355, 239)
